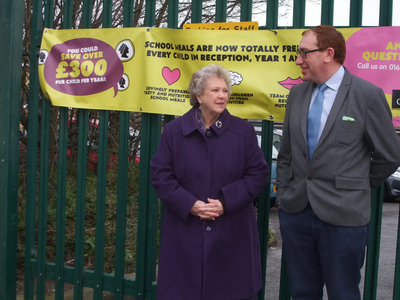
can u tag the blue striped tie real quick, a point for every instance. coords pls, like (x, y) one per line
(314, 120)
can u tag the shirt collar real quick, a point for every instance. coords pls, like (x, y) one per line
(190, 122)
(335, 81)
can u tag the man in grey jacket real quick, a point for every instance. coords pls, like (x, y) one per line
(338, 142)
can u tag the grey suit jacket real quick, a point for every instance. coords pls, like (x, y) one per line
(351, 157)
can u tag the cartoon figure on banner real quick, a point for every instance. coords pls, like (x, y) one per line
(236, 78)
(171, 76)
(43, 56)
(288, 83)
(125, 50)
(123, 83)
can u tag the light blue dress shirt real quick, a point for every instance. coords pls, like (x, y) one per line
(330, 93)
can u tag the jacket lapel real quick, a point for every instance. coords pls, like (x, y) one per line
(337, 104)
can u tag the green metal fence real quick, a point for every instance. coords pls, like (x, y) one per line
(10, 27)
(39, 269)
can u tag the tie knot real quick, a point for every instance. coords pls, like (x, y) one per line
(322, 87)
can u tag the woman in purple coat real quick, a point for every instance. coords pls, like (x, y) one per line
(208, 170)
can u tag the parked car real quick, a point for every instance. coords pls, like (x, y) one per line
(392, 186)
(276, 141)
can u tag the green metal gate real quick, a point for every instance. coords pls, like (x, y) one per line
(39, 269)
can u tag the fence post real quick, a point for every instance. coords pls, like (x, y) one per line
(372, 259)
(396, 285)
(10, 101)
(299, 9)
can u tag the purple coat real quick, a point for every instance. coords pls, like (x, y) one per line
(205, 259)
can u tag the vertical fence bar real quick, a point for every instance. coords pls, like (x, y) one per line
(101, 181)
(148, 205)
(386, 13)
(43, 177)
(62, 179)
(107, 13)
(220, 11)
(142, 209)
(148, 209)
(299, 13)
(122, 183)
(120, 228)
(128, 13)
(272, 14)
(10, 101)
(272, 22)
(356, 8)
(83, 121)
(267, 130)
(372, 261)
(264, 202)
(61, 203)
(396, 285)
(246, 7)
(43, 190)
(264, 198)
(386, 19)
(87, 7)
(173, 11)
(100, 205)
(32, 156)
(197, 6)
(327, 7)
(150, 13)
(150, 128)
(153, 136)
(284, 290)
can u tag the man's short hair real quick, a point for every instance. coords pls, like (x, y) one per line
(328, 36)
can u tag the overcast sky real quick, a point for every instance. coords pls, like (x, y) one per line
(341, 13)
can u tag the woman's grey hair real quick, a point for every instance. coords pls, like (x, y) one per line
(199, 80)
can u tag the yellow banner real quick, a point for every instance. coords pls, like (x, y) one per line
(149, 69)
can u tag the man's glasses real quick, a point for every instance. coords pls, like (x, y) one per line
(303, 54)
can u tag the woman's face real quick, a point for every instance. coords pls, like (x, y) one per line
(214, 98)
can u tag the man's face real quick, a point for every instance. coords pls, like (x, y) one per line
(312, 66)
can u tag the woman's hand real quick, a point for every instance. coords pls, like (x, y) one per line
(208, 211)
